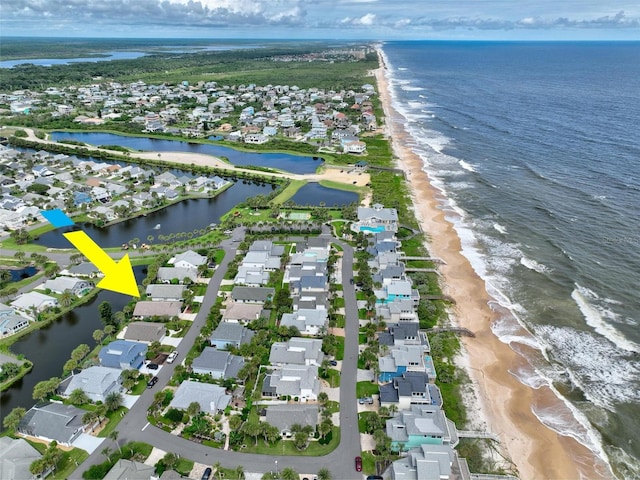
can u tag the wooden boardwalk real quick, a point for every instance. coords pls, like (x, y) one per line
(459, 330)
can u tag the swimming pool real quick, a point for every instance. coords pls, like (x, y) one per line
(372, 229)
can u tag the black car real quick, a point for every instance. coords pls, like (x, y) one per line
(374, 477)
(333, 363)
(152, 382)
(206, 474)
(351, 281)
(152, 366)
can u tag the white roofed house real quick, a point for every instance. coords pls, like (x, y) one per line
(77, 286)
(169, 274)
(28, 302)
(307, 321)
(166, 293)
(298, 351)
(376, 219)
(96, 382)
(296, 381)
(189, 259)
(212, 398)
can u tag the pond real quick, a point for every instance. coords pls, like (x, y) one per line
(282, 161)
(314, 194)
(185, 216)
(22, 273)
(50, 347)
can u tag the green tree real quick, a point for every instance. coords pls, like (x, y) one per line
(324, 474)
(235, 421)
(70, 365)
(89, 418)
(325, 427)
(240, 472)
(80, 352)
(43, 389)
(301, 440)
(113, 401)
(19, 256)
(193, 409)
(52, 271)
(98, 335)
(114, 437)
(67, 298)
(12, 420)
(106, 313)
(170, 460)
(5, 277)
(109, 329)
(289, 474)
(323, 398)
(155, 348)
(252, 428)
(9, 370)
(37, 467)
(78, 397)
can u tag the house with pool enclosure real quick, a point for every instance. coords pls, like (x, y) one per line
(376, 219)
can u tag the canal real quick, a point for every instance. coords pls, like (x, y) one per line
(185, 216)
(51, 346)
(282, 161)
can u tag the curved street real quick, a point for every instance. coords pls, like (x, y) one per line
(134, 425)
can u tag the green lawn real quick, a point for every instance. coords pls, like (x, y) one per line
(286, 447)
(289, 192)
(184, 467)
(366, 389)
(362, 421)
(340, 352)
(333, 377)
(340, 321)
(69, 460)
(140, 387)
(114, 418)
(368, 463)
(338, 302)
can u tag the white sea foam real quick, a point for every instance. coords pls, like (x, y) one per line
(402, 69)
(410, 88)
(530, 377)
(598, 317)
(500, 228)
(535, 266)
(416, 104)
(467, 166)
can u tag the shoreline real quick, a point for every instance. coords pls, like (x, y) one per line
(504, 404)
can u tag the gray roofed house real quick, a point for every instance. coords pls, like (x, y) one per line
(167, 274)
(84, 269)
(260, 259)
(297, 351)
(96, 382)
(267, 246)
(212, 398)
(165, 293)
(411, 388)
(421, 424)
(307, 321)
(130, 470)
(123, 354)
(241, 312)
(12, 324)
(16, 455)
(160, 308)
(145, 332)
(189, 259)
(252, 294)
(251, 276)
(406, 333)
(375, 219)
(217, 363)
(398, 311)
(294, 380)
(430, 462)
(401, 358)
(6, 310)
(389, 273)
(283, 416)
(77, 286)
(37, 300)
(310, 301)
(227, 333)
(53, 421)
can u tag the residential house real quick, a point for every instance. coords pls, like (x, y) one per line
(108, 213)
(227, 333)
(297, 351)
(217, 363)
(310, 301)
(84, 269)
(212, 398)
(242, 312)
(398, 311)
(284, 416)
(146, 309)
(307, 321)
(252, 294)
(407, 333)
(30, 301)
(171, 274)
(422, 424)
(165, 293)
(12, 324)
(96, 382)
(81, 197)
(6, 310)
(430, 462)
(16, 456)
(189, 259)
(130, 470)
(412, 388)
(53, 421)
(295, 381)
(400, 359)
(77, 286)
(123, 354)
(397, 290)
(145, 332)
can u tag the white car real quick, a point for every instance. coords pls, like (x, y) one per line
(172, 356)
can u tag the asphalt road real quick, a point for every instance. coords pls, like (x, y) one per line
(134, 425)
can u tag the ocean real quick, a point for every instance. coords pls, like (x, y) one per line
(536, 148)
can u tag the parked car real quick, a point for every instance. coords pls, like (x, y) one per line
(172, 356)
(206, 474)
(358, 464)
(152, 366)
(333, 363)
(374, 477)
(351, 281)
(152, 382)
(365, 400)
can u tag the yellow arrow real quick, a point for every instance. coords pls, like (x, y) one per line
(118, 277)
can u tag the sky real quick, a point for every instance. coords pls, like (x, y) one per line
(326, 19)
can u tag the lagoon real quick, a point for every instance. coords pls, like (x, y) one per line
(283, 161)
(47, 62)
(50, 347)
(314, 194)
(185, 216)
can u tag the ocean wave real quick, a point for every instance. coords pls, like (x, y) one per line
(535, 266)
(597, 317)
(410, 88)
(467, 166)
(500, 228)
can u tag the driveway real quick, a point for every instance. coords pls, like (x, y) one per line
(88, 443)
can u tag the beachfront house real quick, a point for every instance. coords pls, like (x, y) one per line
(411, 388)
(422, 424)
(429, 462)
(376, 219)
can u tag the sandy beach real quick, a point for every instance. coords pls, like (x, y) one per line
(503, 403)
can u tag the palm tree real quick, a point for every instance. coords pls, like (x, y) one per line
(324, 474)
(106, 451)
(240, 472)
(98, 335)
(114, 436)
(78, 397)
(89, 418)
(113, 401)
(218, 468)
(5, 276)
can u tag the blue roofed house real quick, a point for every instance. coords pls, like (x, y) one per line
(422, 424)
(81, 197)
(400, 359)
(123, 354)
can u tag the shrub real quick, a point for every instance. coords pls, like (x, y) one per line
(174, 415)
